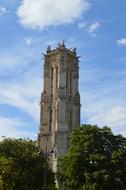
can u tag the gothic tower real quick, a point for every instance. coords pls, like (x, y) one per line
(60, 101)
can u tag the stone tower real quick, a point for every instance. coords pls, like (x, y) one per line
(60, 101)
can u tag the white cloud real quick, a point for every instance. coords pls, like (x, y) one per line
(82, 25)
(43, 13)
(21, 76)
(3, 10)
(10, 122)
(122, 41)
(28, 41)
(101, 105)
(9, 62)
(19, 56)
(90, 28)
(93, 27)
(20, 87)
(12, 127)
(23, 94)
(116, 116)
(113, 116)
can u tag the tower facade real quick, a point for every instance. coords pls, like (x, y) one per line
(60, 102)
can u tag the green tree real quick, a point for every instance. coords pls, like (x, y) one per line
(96, 160)
(22, 168)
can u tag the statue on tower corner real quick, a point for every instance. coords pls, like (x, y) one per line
(61, 45)
(48, 48)
(74, 50)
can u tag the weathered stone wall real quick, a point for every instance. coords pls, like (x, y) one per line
(60, 101)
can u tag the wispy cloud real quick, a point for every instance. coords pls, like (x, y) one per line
(12, 127)
(93, 27)
(116, 116)
(113, 116)
(3, 10)
(10, 62)
(21, 55)
(50, 13)
(101, 105)
(90, 28)
(21, 78)
(20, 88)
(28, 41)
(82, 25)
(23, 93)
(122, 41)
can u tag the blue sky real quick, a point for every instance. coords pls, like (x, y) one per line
(95, 27)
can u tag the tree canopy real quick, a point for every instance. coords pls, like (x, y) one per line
(96, 160)
(22, 168)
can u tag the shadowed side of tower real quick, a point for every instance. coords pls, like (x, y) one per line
(60, 101)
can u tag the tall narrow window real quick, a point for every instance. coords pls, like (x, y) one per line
(63, 58)
(50, 126)
(56, 77)
(70, 84)
(67, 79)
(70, 120)
(52, 82)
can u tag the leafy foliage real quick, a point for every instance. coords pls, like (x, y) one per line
(96, 160)
(21, 167)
